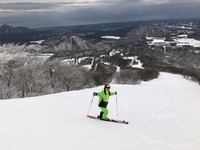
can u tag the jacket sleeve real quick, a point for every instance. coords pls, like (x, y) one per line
(112, 93)
(100, 94)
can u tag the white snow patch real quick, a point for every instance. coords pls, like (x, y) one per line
(111, 37)
(187, 41)
(134, 59)
(38, 42)
(114, 52)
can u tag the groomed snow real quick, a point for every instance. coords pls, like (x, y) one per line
(163, 115)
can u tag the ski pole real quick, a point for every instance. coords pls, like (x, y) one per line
(90, 105)
(117, 105)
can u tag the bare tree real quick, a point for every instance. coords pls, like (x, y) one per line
(30, 77)
(127, 77)
(8, 69)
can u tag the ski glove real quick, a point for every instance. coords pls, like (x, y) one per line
(115, 92)
(95, 94)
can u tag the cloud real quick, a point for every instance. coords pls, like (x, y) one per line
(32, 6)
(87, 11)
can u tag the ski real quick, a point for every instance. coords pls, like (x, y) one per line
(109, 120)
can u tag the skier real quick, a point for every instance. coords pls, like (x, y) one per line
(103, 101)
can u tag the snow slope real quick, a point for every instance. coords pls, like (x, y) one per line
(163, 115)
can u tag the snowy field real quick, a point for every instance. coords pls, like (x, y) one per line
(163, 114)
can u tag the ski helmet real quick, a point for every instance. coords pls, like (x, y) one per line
(106, 86)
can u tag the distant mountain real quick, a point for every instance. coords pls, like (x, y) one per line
(70, 43)
(8, 30)
(64, 43)
(21, 35)
(74, 44)
(148, 31)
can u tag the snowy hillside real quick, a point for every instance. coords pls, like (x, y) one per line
(163, 114)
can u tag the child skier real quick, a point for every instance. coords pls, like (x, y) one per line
(103, 101)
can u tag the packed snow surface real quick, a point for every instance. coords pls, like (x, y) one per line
(163, 114)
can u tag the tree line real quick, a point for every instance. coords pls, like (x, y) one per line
(27, 77)
(30, 76)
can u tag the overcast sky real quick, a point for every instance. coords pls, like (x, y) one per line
(34, 13)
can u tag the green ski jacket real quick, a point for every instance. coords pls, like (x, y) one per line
(104, 97)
